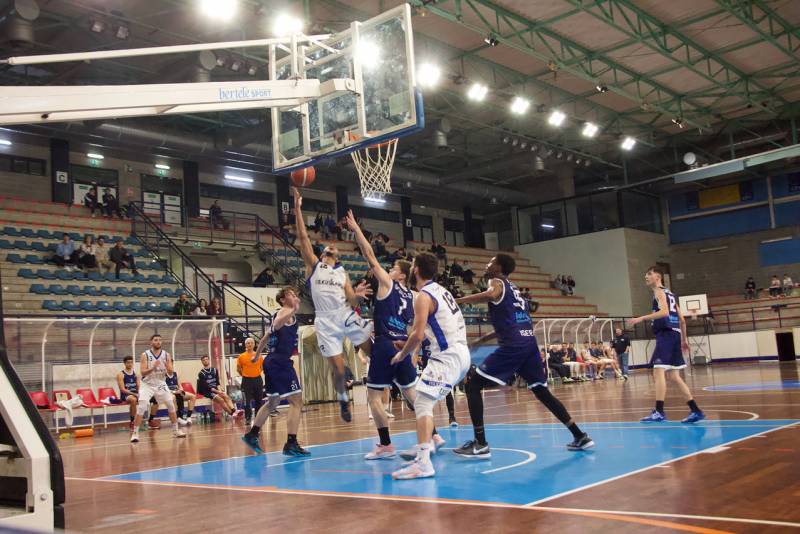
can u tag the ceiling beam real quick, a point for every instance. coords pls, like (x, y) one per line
(770, 26)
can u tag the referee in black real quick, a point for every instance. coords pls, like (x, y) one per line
(621, 344)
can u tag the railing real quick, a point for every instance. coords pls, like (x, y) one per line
(776, 315)
(188, 274)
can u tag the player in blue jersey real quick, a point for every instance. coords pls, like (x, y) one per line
(181, 397)
(518, 354)
(282, 382)
(393, 313)
(669, 327)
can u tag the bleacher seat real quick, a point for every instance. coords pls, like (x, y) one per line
(154, 279)
(63, 274)
(110, 277)
(87, 306)
(124, 292)
(11, 231)
(75, 236)
(26, 273)
(96, 276)
(79, 275)
(151, 306)
(51, 305)
(136, 307)
(39, 289)
(120, 306)
(15, 258)
(74, 290)
(108, 291)
(57, 289)
(38, 246)
(165, 307)
(167, 279)
(45, 234)
(138, 292)
(104, 306)
(139, 278)
(91, 402)
(33, 258)
(44, 273)
(125, 277)
(69, 305)
(27, 232)
(152, 292)
(6, 244)
(22, 245)
(91, 291)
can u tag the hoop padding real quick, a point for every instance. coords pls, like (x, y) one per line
(374, 165)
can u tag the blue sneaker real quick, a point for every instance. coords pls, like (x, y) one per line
(694, 417)
(654, 417)
(252, 442)
(294, 449)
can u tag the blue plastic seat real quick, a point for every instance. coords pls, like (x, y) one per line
(167, 279)
(108, 291)
(44, 273)
(57, 289)
(79, 275)
(123, 292)
(125, 277)
(39, 289)
(166, 292)
(11, 231)
(38, 246)
(69, 305)
(6, 244)
(138, 292)
(152, 292)
(91, 291)
(165, 307)
(154, 279)
(15, 258)
(45, 234)
(63, 274)
(51, 305)
(74, 290)
(95, 276)
(136, 307)
(120, 306)
(22, 245)
(110, 277)
(26, 273)
(104, 306)
(33, 258)
(28, 232)
(152, 307)
(142, 279)
(87, 306)
(75, 236)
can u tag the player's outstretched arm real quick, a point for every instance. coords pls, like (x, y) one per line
(384, 280)
(362, 290)
(422, 309)
(492, 293)
(303, 242)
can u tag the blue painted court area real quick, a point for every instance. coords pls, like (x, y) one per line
(757, 386)
(529, 462)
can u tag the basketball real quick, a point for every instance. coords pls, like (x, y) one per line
(304, 177)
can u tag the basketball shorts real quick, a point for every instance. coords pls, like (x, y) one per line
(445, 369)
(668, 353)
(333, 328)
(382, 373)
(505, 362)
(160, 393)
(281, 377)
(124, 396)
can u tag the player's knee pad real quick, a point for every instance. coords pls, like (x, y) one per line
(423, 405)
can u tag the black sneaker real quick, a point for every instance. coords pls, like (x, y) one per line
(345, 411)
(581, 444)
(453, 422)
(294, 449)
(252, 442)
(472, 449)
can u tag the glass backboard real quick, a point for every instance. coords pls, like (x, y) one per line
(379, 56)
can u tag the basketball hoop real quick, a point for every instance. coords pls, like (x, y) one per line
(374, 165)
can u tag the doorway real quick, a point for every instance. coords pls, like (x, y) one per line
(785, 342)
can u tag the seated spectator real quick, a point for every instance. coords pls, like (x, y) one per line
(215, 308)
(317, 247)
(591, 363)
(526, 293)
(87, 253)
(788, 285)
(328, 227)
(182, 307)
(120, 257)
(379, 247)
(201, 310)
(65, 255)
(611, 355)
(439, 251)
(209, 386)
(264, 279)
(111, 204)
(101, 255)
(318, 223)
(90, 200)
(287, 235)
(181, 398)
(775, 287)
(570, 285)
(215, 214)
(556, 364)
(575, 363)
(456, 269)
(750, 288)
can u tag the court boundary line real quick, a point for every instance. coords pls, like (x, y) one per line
(661, 464)
(433, 500)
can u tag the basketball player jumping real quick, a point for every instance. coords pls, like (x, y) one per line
(282, 382)
(669, 327)
(518, 353)
(154, 364)
(334, 299)
(437, 317)
(394, 311)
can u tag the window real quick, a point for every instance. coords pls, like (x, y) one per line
(21, 165)
(375, 214)
(94, 175)
(235, 194)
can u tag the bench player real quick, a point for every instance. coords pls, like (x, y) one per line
(393, 312)
(669, 327)
(518, 353)
(282, 382)
(334, 299)
(154, 365)
(438, 318)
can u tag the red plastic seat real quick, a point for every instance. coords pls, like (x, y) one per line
(41, 401)
(60, 394)
(89, 400)
(104, 393)
(188, 388)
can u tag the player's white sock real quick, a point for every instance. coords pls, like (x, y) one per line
(424, 452)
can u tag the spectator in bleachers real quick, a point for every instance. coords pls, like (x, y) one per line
(66, 255)
(570, 283)
(120, 257)
(215, 308)
(317, 247)
(215, 214)
(87, 253)
(286, 234)
(201, 310)
(343, 232)
(788, 285)
(439, 251)
(101, 255)
(329, 227)
(556, 363)
(526, 293)
(379, 247)
(318, 223)
(182, 307)
(111, 204)
(456, 269)
(90, 200)
(264, 279)
(775, 287)
(750, 288)
(559, 284)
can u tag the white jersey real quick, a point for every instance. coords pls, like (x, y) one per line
(446, 327)
(159, 376)
(327, 288)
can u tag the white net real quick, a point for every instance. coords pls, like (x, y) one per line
(374, 165)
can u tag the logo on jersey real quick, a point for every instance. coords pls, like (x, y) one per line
(329, 283)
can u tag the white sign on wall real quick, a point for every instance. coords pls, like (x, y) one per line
(263, 296)
(62, 177)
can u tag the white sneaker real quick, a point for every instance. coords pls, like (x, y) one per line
(437, 442)
(135, 436)
(182, 422)
(178, 433)
(381, 452)
(389, 414)
(416, 469)
(188, 420)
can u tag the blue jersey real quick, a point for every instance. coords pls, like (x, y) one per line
(172, 381)
(394, 312)
(671, 321)
(207, 378)
(509, 316)
(283, 342)
(129, 381)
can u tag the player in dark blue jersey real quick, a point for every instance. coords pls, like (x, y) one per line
(393, 313)
(281, 378)
(669, 327)
(181, 398)
(128, 384)
(518, 354)
(208, 385)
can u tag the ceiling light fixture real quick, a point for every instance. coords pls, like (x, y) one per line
(162, 166)
(520, 105)
(628, 143)
(491, 40)
(92, 155)
(477, 92)
(5, 142)
(556, 118)
(286, 24)
(98, 26)
(243, 179)
(601, 88)
(677, 121)
(219, 9)
(428, 75)
(590, 129)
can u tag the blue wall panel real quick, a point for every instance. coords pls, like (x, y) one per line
(721, 224)
(787, 214)
(780, 253)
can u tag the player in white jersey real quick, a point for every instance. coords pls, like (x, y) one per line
(153, 366)
(438, 318)
(334, 299)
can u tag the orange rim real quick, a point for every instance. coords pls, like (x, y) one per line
(355, 137)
